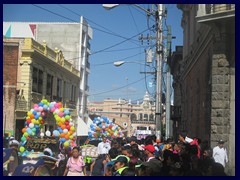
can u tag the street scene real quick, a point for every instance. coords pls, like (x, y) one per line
(119, 89)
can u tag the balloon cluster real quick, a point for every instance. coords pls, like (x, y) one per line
(103, 127)
(36, 118)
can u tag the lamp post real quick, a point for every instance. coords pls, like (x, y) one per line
(159, 58)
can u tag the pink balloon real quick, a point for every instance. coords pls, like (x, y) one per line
(35, 108)
(40, 108)
(56, 105)
(61, 114)
(52, 109)
(43, 113)
(35, 105)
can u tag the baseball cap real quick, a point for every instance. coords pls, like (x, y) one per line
(158, 141)
(121, 158)
(150, 148)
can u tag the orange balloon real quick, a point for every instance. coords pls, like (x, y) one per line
(32, 116)
(60, 124)
(62, 135)
(24, 130)
(67, 137)
(60, 104)
(70, 132)
(63, 126)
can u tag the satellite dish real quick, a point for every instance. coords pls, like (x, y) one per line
(125, 124)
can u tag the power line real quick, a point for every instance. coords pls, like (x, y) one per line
(117, 88)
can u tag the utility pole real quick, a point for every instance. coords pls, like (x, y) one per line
(159, 58)
(168, 96)
(168, 99)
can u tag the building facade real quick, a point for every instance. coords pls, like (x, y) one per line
(204, 77)
(72, 39)
(134, 119)
(39, 73)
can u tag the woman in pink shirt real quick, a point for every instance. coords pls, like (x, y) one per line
(75, 164)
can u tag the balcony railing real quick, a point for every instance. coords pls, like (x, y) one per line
(21, 105)
(210, 12)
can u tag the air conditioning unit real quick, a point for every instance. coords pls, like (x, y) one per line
(125, 124)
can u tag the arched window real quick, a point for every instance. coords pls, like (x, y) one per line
(140, 117)
(145, 117)
(133, 117)
(151, 117)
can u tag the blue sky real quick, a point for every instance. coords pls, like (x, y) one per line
(121, 23)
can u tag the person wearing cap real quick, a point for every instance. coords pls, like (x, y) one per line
(220, 153)
(121, 165)
(152, 164)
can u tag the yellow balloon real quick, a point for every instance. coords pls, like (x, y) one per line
(72, 128)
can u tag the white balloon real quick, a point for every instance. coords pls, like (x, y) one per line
(48, 133)
(65, 131)
(41, 134)
(74, 134)
(31, 125)
(71, 124)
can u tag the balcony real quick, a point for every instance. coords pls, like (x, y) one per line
(21, 105)
(209, 13)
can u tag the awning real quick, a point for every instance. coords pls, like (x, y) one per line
(82, 128)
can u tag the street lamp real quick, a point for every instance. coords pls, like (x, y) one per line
(159, 57)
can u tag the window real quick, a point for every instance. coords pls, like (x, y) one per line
(49, 84)
(133, 117)
(145, 117)
(59, 88)
(151, 117)
(73, 94)
(140, 117)
(37, 76)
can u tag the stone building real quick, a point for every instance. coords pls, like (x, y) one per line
(33, 71)
(134, 119)
(204, 75)
(71, 38)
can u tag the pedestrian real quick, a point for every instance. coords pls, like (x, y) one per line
(220, 153)
(96, 168)
(153, 165)
(121, 166)
(75, 165)
(104, 146)
(108, 167)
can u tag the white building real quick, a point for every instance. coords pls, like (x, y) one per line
(70, 38)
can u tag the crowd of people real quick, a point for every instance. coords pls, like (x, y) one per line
(146, 157)
(155, 157)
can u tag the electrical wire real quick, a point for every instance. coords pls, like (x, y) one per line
(117, 88)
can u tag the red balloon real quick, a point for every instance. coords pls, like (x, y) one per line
(29, 121)
(66, 123)
(42, 122)
(68, 127)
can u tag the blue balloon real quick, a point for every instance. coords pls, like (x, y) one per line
(34, 112)
(63, 140)
(45, 107)
(40, 104)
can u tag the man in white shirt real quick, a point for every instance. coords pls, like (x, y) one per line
(220, 153)
(103, 147)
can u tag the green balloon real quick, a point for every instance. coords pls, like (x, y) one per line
(26, 134)
(21, 149)
(33, 129)
(23, 139)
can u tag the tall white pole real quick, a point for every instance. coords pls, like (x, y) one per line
(159, 58)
